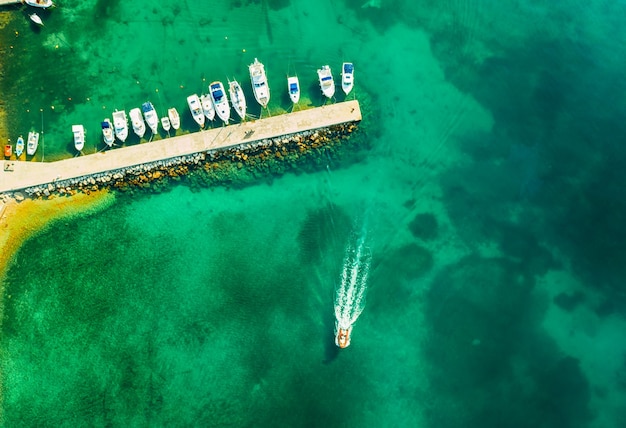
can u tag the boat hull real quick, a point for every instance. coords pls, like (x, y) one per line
(107, 132)
(207, 107)
(260, 87)
(174, 118)
(220, 101)
(293, 86)
(237, 98)
(195, 107)
(33, 143)
(151, 117)
(19, 147)
(327, 84)
(139, 127)
(120, 121)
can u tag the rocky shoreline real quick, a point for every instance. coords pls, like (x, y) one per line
(244, 162)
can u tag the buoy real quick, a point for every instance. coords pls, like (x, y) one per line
(243, 50)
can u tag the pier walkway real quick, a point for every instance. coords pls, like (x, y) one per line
(16, 175)
(9, 2)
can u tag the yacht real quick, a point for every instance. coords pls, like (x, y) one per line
(174, 117)
(220, 101)
(33, 143)
(107, 132)
(44, 4)
(19, 147)
(120, 122)
(207, 106)
(166, 124)
(79, 136)
(138, 124)
(196, 109)
(150, 114)
(326, 81)
(259, 83)
(237, 98)
(347, 77)
(293, 85)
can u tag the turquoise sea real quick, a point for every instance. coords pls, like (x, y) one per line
(487, 185)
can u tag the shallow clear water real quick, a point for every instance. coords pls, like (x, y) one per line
(491, 189)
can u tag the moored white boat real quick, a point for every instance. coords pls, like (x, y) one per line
(120, 122)
(44, 4)
(220, 101)
(150, 114)
(237, 98)
(107, 132)
(19, 146)
(327, 85)
(166, 124)
(139, 126)
(196, 109)
(172, 113)
(79, 136)
(259, 82)
(207, 106)
(36, 19)
(33, 143)
(293, 85)
(347, 77)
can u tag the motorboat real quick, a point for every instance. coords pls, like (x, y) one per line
(237, 98)
(174, 117)
(196, 109)
(342, 335)
(220, 101)
(8, 150)
(293, 85)
(19, 146)
(120, 122)
(107, 132)
(79, 136)
(207, 106)
(44, 4)
(347, 77)
(259, 83)
(166, 124)
(150, 114)
(137, 120)
(326, 81)
(33, 143)
(36, 19)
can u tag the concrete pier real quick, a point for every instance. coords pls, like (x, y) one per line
(17, 175)
(9, 2)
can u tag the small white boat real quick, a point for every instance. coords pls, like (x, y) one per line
(107, 132)
(237, 98)
(293, 85)
(79, 136)
(259, 82)
(174, 117)
(165, 123)
(196, 109)
(120, 122)
(347, 77)
(326, 81)
(137, 120)
(150, 114)
(44, 4)
(220, 101)
(33, 143)
(36, 19)
(19, 147)
(207, 106)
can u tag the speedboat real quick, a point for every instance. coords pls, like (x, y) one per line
(19, 147)
(138, 124)
(237, 98)
(293, 85)
(44, 4)
(120, 122)
(207, 106)
(79, 136)
(220, 101)
(33, 143)
(347, 77)
(196, 109)
(174, 117)
(150, 114)
(8, 150)
(342, 335)
(259, 83)
(36, 19)
(166, 124)
(326, 81)
(107, 132)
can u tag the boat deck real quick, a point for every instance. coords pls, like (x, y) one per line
(16, 175)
